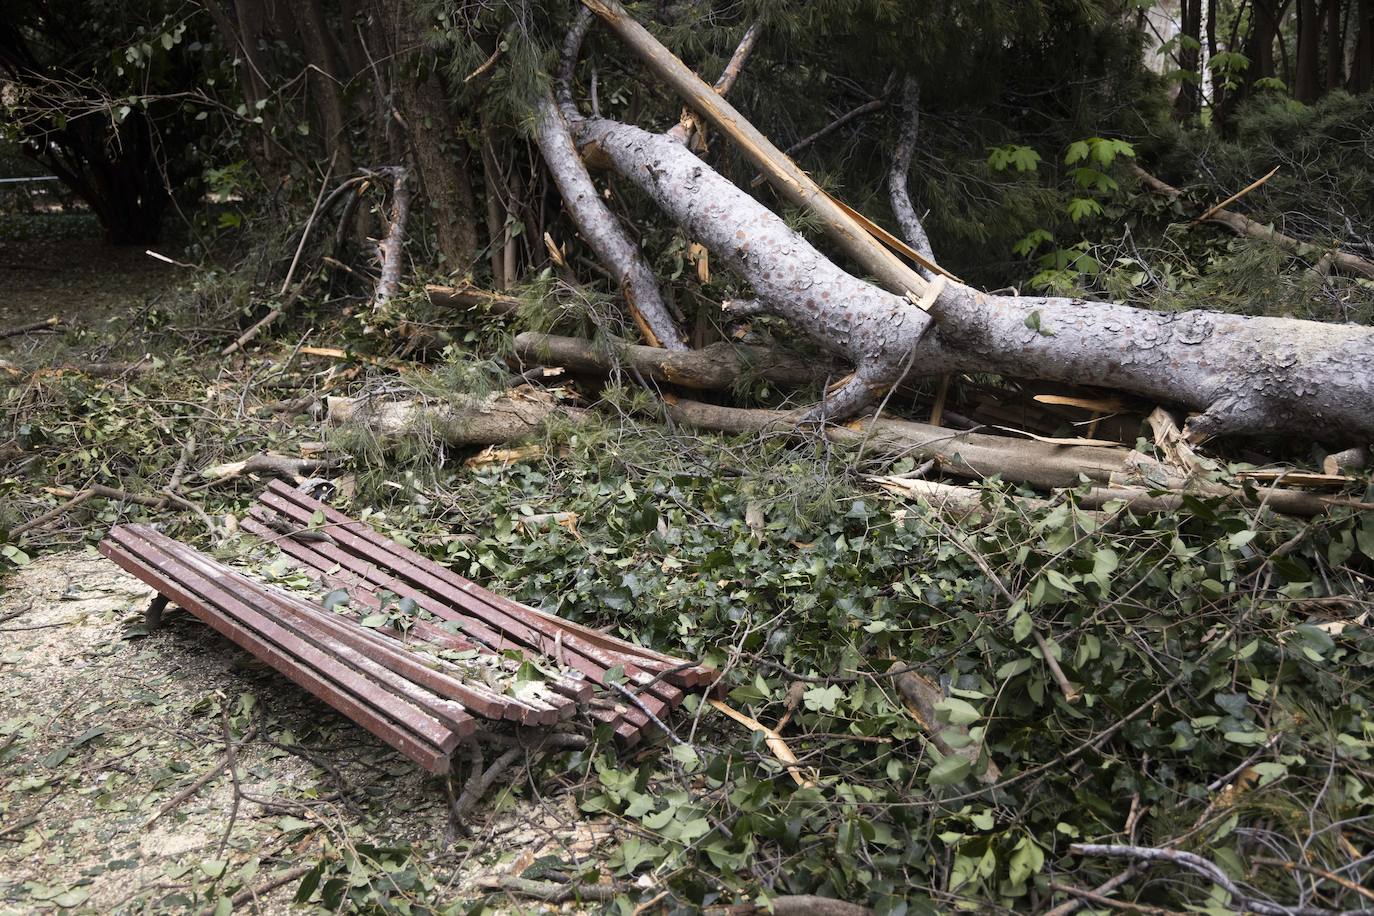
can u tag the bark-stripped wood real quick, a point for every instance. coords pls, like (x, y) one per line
(391, 249)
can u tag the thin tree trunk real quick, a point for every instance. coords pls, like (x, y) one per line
(318, 46)
(1335, 45)
(391, 249)
(1308, 80)
(599, 228)
(1189, 100)
(1218, 99)
(441, 156)
(1362, 59)
(903, 209)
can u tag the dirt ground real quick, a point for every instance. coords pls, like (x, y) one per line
(41, 279)
(104, 728)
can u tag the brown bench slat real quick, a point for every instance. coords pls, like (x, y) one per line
(324, 556)
(432, 758)
(627, 731)
(660, 661)
(659, 696)
(217, 603)
(440, 695)
(568, 693)
(438, 675)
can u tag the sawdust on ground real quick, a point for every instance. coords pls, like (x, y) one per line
(102, 726)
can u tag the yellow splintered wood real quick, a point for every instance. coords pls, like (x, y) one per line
(775, 743)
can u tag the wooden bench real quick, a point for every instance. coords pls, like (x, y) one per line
(345, 553)
(394, 681)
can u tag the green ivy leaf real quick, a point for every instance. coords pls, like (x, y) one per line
(950, 771)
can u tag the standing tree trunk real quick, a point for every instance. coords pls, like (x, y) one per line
(1307, 83)
(1362, 60)
(318, 45)
(441, 156)
(1335, 45)
(1259, 44)
(1218, 100)
(1189, 100)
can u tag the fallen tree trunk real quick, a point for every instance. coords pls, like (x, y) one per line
(713, 368)
(500, 418)
(1118, 474)
(1240, 374)
(1122, 474)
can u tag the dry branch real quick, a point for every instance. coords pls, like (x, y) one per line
(471, 297)
(500, 418)
(1204, 867)
(715, 367)
(1120, 473)
(283, 466)
(391, 249)
(689, 130)
(776, 743)
(1244, 225)
(276, 313)
(921, 695)
(47, 324)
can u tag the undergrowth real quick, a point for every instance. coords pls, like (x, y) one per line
(1218, 649)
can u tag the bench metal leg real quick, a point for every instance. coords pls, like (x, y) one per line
(153, 615)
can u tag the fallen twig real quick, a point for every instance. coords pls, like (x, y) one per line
(292, 469)
(479, 781)
(53, 514)
(553, 891)
(47, 324)
(776, 743)
(273, 315)
(1318, 872)
(1198, 865)
(1237, 196)
(252, 893)
(201, 781)
(1069, 907)
(1100, 900)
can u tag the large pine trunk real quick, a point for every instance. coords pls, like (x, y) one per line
(1238, 374)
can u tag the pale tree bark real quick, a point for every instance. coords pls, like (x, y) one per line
(595, 222)
(1240, 374)
(1115, 475)
(391, 249)
(902, 208)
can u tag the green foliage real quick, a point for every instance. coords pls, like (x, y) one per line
(1200, 602)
